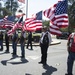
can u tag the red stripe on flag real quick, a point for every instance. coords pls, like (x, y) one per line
(57, 21)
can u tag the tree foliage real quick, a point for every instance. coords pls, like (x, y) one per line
(46, 23)
(12, 6)
(71, 13)
(4, 12)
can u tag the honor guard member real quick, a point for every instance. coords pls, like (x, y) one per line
(14, 42)
(22, 43)
(45, 41)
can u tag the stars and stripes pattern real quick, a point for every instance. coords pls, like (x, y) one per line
(33, 24)
(1, 23)
(58, 16)
(6, 23)
(16, 26)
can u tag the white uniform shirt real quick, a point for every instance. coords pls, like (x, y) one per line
(24, 34)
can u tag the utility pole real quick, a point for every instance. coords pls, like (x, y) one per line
(26, 8)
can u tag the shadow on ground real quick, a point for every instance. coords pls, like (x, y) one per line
(11, 61)
(49, 70)
(28, 74)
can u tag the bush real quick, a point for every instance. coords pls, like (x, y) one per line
(36, 37)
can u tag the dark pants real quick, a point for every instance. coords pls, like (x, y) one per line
(1, 44)
(7, 45)
(44, 50)
(29, 42)
(22, 50)
(14, 46)
(70, 62)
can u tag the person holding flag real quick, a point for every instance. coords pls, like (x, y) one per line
(14, 43)
(22, 43)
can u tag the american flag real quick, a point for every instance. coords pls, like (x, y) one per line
(33, 24)
(6, 23)
(58, 16)
(16, 26)
(1, 23)
(22, 1)
(11, 18)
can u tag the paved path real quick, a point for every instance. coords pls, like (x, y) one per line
(54, 41)
(29, 66)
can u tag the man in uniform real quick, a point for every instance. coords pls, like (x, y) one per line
(44, 44)
(22, 42)
(14, 42)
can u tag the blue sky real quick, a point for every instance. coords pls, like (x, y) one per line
(35, 6)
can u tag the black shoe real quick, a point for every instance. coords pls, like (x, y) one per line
(22, 57)
(30, 49)
(6, 51)
(44, 64)
(14, 55)
(68, 74)
(40, 62)
(1, 49)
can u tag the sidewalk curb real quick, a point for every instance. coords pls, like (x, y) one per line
(54, 42)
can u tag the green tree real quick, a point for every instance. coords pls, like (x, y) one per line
(4, 12)
(12, 6)
(46, 23)
(71, 13)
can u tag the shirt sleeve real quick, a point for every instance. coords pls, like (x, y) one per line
(24, 35)
(49, 36)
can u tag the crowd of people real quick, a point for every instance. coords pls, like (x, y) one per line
(44, 43)
(14, 39)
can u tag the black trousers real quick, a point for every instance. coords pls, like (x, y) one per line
(44, 50)
(29, 43)
(7, 45)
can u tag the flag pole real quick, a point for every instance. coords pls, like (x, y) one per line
(26, 8)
